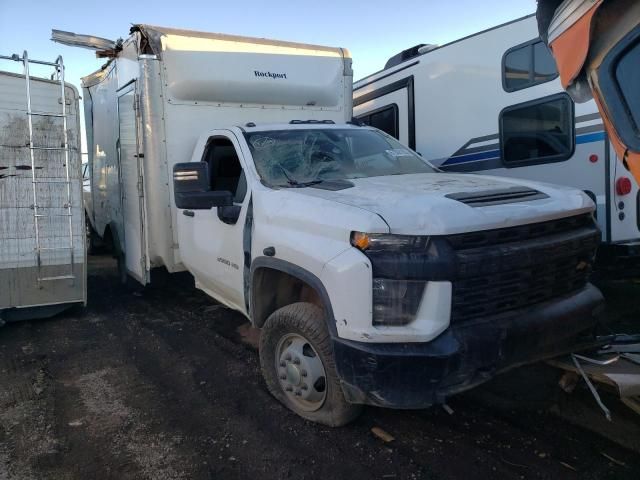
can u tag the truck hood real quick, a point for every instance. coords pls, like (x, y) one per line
(417, 204)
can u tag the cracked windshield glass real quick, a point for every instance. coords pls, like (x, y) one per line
(306, 157)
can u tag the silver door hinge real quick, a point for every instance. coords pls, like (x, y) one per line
(140, 186)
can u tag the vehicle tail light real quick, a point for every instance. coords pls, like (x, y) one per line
(623, 186)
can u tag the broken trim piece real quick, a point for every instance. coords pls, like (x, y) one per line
(592, 389)
(103, 46)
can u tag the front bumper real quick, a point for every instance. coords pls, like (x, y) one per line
(417, 375)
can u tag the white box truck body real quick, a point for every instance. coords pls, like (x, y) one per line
(148, 107)
(493, 103)
(375, 278)
(42, 237)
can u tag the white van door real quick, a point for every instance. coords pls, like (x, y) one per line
(132, 187)
(211, 244)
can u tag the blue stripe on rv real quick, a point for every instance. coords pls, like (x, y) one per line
(590, 137)
(491, 154)
(472, 157)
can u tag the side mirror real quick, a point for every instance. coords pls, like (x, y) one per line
(191, 188)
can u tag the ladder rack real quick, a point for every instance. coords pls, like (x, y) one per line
(58, 76)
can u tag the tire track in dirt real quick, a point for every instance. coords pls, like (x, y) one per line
(231, 410)
(497, 441)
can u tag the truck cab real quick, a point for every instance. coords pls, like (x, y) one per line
(376, 278)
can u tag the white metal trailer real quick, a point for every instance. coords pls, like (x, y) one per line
(42, 239)
(492, 103)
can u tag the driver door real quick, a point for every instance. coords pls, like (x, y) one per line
(211, 240)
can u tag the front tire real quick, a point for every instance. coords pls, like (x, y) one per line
(297, 363)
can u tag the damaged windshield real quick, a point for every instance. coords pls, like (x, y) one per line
(301, 158)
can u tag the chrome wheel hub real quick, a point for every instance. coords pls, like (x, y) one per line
(300, 372)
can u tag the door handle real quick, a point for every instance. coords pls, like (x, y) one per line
(188, 213)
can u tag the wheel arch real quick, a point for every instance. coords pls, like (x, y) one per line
(276, 283)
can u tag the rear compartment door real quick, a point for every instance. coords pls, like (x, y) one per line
(132, 185)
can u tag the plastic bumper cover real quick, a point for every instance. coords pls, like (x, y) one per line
(417, 375)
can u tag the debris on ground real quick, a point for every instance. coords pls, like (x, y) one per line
(566, 465)
(610, 458)
(382, 435)
(610, 367)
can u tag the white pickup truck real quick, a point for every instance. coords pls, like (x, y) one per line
(375, 278)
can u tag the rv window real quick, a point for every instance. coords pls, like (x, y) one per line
(385, 119)
(535, 132)
(527, 65)
(544, 64)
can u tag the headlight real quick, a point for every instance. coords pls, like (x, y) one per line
(378, 241)
(396, 302)
(399, 265)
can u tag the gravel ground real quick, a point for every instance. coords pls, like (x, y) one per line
(162, 383)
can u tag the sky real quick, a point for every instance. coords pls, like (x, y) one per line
(372, 30)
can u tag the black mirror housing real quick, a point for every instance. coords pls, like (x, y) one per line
(229, 214)
(191, 188)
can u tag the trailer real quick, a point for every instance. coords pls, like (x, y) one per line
(492, 103)
(42, 237)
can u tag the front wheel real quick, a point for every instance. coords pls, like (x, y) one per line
(297, 363)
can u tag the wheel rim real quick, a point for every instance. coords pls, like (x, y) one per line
(300, 372)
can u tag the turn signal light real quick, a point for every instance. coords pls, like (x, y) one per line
(360, 240)
(623, 186)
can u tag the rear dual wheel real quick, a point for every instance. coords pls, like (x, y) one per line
(297, 363)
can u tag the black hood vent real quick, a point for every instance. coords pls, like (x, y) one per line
(497, 197)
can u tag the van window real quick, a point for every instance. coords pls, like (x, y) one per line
(527, 65)
(225, 170)
(385, 119)
(539, 131)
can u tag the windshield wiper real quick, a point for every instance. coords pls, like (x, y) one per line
(295, 183)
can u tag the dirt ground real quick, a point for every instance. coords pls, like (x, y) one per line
(162, 383)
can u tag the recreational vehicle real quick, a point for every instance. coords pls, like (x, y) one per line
(42, 246)
(492, 103)
(375, 279)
